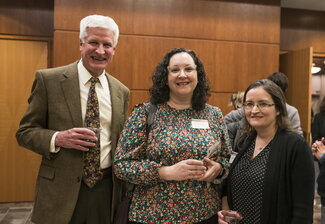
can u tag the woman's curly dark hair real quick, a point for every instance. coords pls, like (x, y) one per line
(160, 91)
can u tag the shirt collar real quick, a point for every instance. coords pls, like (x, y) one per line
(84, 75)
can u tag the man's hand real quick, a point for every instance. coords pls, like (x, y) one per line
(183, 170)
(76, 138)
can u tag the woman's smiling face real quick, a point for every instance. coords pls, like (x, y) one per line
(182, 75)
(263, 114)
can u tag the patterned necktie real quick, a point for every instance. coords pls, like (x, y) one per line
(91, 171)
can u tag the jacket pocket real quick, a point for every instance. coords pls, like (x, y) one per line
(47, 172)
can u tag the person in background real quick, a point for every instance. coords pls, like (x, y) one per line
(178, 165)
(236, 100)
(75, 183)
(318, 125)
(318, 149)
(271, 180)
(233, 118)
(282, 81)
(318, 133)
(236, 114)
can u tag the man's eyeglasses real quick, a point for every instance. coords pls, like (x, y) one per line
(188, 70)
(260, 105)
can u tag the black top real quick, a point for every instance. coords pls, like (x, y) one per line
(247, 182)
(288, 192)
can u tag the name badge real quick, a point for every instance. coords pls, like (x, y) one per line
(200, 124)
(232, 156)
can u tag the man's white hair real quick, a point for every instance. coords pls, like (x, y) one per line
(98, 21)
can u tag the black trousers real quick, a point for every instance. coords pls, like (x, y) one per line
(94, 205)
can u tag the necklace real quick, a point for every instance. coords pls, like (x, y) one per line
(259, 148)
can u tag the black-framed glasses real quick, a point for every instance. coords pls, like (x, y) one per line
(261, 105)
(188, 70)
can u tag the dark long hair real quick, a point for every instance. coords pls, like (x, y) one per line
(282, 121)
(160, 91)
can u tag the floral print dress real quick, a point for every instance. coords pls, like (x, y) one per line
(170, 140)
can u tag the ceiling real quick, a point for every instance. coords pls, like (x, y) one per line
(318, 5)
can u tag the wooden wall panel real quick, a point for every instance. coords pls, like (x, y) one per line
(294, 39)
(182, 18)
(238, 41)
(221, 100)
(138, 96)
(32, 17)
(231, 66)
(301, 29)
(19, 166)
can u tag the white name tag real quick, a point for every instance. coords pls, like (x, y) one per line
(200, 124)
(232, 156)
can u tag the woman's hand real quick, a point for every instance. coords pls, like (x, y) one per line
(214, 169)
(224, 216)
(183, 170)
(221, 217)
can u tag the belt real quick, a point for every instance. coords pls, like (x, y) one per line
(107, 172)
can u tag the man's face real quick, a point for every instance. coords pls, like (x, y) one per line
(97, 49)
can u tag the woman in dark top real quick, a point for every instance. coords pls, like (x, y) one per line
(318, 149)
(271, 180)
(318, 133)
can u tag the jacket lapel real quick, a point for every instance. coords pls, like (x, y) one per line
(71, 91)
(117, 111)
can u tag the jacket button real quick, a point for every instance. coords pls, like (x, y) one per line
(78, 179)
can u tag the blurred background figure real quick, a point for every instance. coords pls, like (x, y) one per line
(282, 81)
(271, 180)
(318, 125)
(236, 101)
(234, 117)
(318, 149)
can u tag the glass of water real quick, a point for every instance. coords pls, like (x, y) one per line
(231, 217)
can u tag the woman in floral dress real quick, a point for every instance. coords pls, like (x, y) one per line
(178, 165)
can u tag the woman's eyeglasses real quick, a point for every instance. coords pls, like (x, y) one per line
(188, 70)
(260, 105)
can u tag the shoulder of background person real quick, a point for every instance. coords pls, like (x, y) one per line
(294, 117)
(291, 109)
(234, 115)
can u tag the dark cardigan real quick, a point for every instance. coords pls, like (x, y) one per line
(289, 180)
